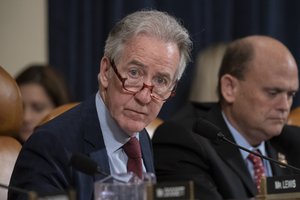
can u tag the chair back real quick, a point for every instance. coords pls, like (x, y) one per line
(294, 117)
(9, 151)
(11, 116)
(153, 125)
(11, 106)
(58, 111)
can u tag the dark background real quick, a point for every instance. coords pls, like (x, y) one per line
(78, 29)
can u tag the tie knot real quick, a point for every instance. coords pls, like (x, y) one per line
(254, 158)
(132, 148)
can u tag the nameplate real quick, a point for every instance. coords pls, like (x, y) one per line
(171, 190)
(283, 184)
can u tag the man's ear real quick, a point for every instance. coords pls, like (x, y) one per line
(229, 86)
(103, 76)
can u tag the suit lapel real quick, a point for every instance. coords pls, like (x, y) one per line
(272, 153)
(146, 151)
(229, 153)
(94, 144)
(236, 162)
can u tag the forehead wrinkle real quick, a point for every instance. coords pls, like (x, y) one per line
(155, 57)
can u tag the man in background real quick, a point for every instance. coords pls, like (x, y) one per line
(258, 79)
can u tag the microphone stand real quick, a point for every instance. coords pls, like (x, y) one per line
(222, 137)
(31, 194)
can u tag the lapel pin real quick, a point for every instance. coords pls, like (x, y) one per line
(282, 159)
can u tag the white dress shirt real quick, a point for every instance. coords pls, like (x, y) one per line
(240, 140)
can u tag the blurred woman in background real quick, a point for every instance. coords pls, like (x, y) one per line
(42, 89)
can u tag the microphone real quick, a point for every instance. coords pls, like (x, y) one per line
(30, 194)
(86, 165)
(214, 133)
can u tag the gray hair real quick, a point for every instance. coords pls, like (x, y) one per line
(152, 23)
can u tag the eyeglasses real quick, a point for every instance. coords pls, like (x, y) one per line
(161, 88)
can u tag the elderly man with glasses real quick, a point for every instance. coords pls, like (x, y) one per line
(144, 57)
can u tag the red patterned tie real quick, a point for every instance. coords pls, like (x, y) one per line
(259, 171)
(133, 150)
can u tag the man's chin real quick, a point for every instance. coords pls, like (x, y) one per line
(134, 127)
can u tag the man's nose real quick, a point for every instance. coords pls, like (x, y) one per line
(144, 95)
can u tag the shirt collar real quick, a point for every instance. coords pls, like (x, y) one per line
(114, 137)
(240, 140)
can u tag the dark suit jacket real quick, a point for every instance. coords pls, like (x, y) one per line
(217, 169)
(43, 163)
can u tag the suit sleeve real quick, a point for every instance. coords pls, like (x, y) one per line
(180, 155)
(41, 167)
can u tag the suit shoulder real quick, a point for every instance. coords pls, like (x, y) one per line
(193, 109)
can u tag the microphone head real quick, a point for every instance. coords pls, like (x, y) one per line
(208, 130)
(84, 164)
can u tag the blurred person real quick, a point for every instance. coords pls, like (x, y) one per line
(257, 81)
(42, 89)
(144, 57)
(205, 77)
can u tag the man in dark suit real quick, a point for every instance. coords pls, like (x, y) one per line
(257, 81)
(142, 63)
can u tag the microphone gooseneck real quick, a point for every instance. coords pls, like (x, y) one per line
(260, 155)
(30, 194)
(207, 129)
(213, 133)
(14, 188)
(86, 165)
